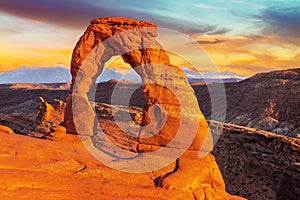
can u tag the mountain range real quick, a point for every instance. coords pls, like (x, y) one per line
(214, 76)
(58, 74)
(36, 75)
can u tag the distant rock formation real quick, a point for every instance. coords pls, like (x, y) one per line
(107, 37)
(266, 101)
(44, 112)
(49, 117)
(37, 117)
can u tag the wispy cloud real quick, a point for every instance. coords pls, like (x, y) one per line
(50, 51)
(215, 41)
(219, 31)
(281, 19)
(254, 34)
(76, 14)
(247, 3)
(209, 7)
(250, 54)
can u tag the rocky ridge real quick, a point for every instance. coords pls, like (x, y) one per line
(266, 101)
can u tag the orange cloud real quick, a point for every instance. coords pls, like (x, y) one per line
(60, 51)
(14, 58)
(249, 55)
(244, 55)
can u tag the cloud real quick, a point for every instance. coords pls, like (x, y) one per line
(191, 28)
(255, 5)
(250, 54)
(13, 58)
(51, 51)
(8, 31)
(247, 69)
(281, 19)
(76, 14)
(297, 56)
(218, 31)
(209, 7)
(255, 37)
(215, 41)
(67, 13)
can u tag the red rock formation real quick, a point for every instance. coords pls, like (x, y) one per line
(98, 31)
(107, 37)
(44, 112)
(125, 44)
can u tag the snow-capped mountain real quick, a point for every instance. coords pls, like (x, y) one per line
(224, 76)
(59, 75)
(36, 75)
(191, 74)
(118, 74)
(62, 74)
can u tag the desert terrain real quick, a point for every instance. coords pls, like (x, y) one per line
(40, 160)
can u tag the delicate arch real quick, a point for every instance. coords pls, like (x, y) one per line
(139, 47)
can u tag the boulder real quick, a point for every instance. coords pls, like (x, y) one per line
(5, 129)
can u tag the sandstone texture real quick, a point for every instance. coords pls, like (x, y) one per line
(32, 168)
(170, 106)
(5, 129)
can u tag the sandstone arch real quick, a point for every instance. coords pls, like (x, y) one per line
(139, 40)
(140, 48)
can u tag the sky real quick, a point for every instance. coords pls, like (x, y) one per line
(246, 37)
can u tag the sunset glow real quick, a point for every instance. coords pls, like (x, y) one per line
(245, 37)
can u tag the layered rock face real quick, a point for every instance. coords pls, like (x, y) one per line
(36, 118)
(257, 164)
(171, 106)
(266, 101)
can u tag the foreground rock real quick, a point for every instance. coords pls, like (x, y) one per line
(72, 173)
(171, 106)
(5, 129)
